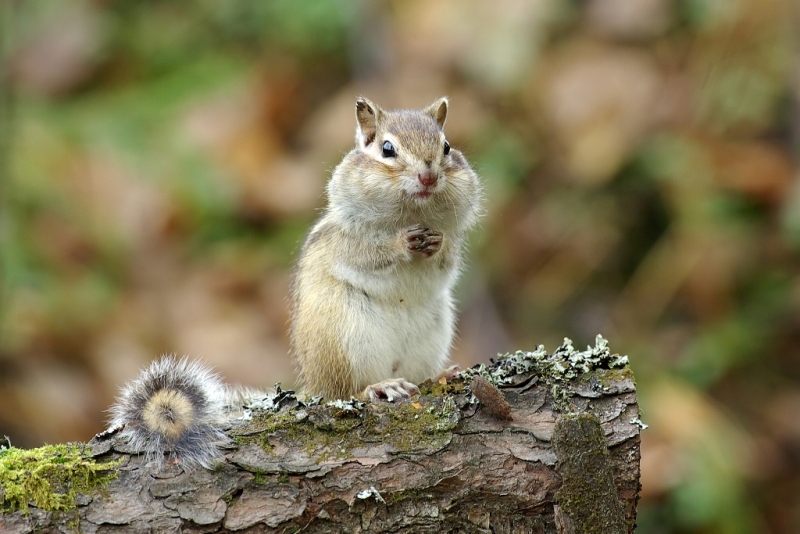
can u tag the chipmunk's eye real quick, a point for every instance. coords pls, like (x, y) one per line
(446, 148)
(388, 150)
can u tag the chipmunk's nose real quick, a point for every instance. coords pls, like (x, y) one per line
(427, 178)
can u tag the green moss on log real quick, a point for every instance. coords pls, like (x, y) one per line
(588, 494)
(326, 432)
(50, 477)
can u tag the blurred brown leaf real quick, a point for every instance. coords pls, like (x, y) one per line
(759, 170)
(62, 52)
(629, 19)
(599, 101)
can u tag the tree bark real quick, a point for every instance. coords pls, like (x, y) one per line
(434, 463)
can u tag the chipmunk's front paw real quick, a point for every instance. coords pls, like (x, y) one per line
(423, 240)
(392, 389)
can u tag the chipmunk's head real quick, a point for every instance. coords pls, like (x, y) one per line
(403, 171)
(407, 147)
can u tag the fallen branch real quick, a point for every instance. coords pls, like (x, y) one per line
(567, 461)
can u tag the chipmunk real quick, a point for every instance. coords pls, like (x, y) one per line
(372, 305)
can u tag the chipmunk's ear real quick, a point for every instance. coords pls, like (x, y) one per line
(367, 115)
(438, 110)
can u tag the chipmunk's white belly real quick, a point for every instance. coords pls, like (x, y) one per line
(400, 340)
(402, 321)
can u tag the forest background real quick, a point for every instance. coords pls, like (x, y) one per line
(161, 161)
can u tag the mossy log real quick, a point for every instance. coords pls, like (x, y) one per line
(566, 462)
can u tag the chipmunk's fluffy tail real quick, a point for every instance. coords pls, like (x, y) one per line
(176, 406)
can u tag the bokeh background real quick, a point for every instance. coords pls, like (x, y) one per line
(160, 162)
